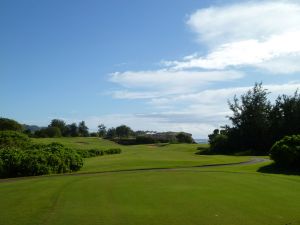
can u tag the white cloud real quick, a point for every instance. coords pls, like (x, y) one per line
(169, 81)
(264, 35)
(125, 94)
(208, 99)
(281, 65)
(245, 21)
(210, 106)
(247, 52)
(287, 88)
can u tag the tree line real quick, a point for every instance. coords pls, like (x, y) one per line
(256, 123)
(59, 128)
(121, 134)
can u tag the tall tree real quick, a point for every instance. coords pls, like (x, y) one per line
(111, 133)
(285, 116)
(101, 130)
(60, 124)
(83, 130)
(123, 131)
(48, 132)
(251, 119)
(184, 138)
(72, 130)
(256, 124)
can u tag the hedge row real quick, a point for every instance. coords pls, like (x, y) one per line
(38, 160)
(96, 152)
(14, 139)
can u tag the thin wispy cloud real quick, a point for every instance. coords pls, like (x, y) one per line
(251, 52)
(170, 81)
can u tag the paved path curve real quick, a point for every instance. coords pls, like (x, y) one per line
(252, 161)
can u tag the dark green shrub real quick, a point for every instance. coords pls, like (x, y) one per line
(33, 163)
(286, 152)
(71, 161)
(8, 124)
(112, 151)
(94, 134)
(38, 160)
(48, 132)
(125, 141)
(11, 162)
(10, 139)
(97, 152)
(1, 167)
(219, 144)
(83, 153)
(184, 138)
(144, 139)
(203, 150)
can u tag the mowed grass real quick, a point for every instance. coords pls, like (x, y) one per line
(140, 156)
(82, 143)
(189, 197)
(230, 195)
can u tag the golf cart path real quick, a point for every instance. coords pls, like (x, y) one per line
(252, 161)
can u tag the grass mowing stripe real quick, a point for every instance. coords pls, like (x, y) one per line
(172, 197)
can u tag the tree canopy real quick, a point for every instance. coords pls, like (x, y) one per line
(251, 118)
(256, 124)
(102, 130)
(83, 130)
(123, 131)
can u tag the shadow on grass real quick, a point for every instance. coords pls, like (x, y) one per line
(201, 150)
(272, 168)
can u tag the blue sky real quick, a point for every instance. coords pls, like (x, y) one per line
(153, 65)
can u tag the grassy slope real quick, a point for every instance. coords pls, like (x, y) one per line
(222, 195)
(79, 142)
(140, 156)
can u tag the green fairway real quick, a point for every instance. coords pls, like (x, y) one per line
(167, 197)
(228, 195)
(141, 156)
(82, 143)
